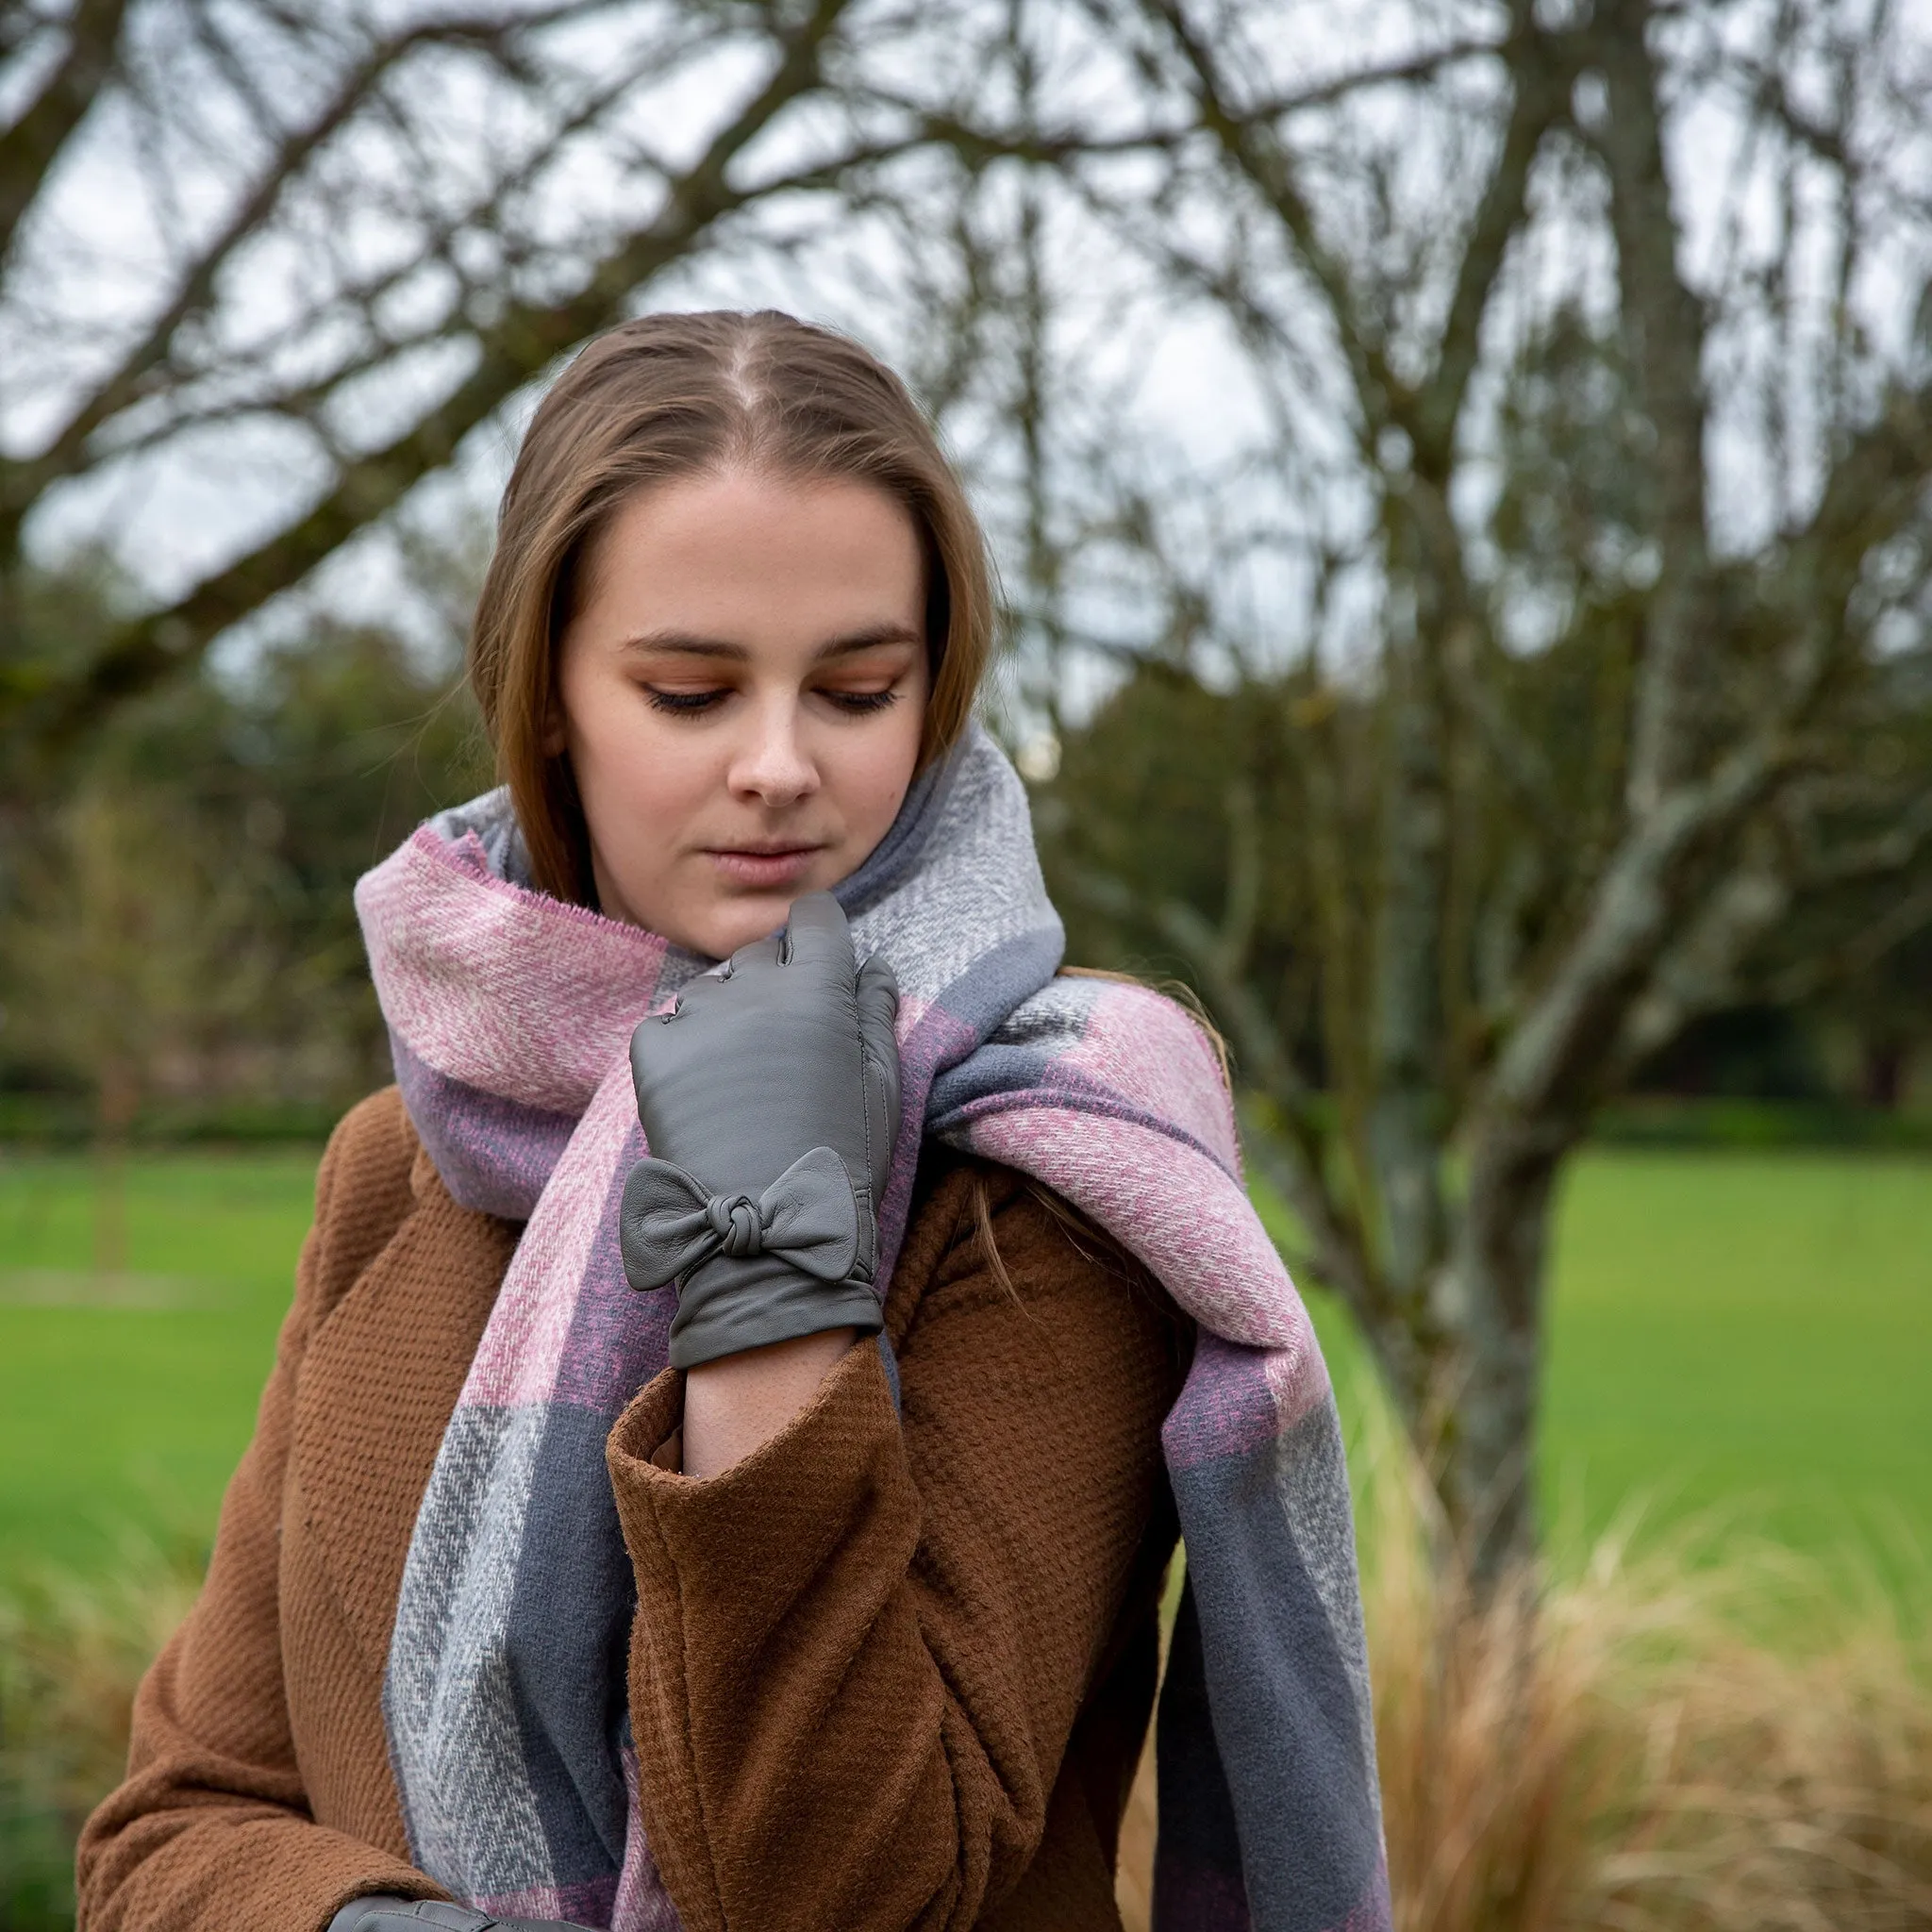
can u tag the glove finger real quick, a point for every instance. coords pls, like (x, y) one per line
(878, 1007)
(817, 935)
(643, 1039)
(760, 956)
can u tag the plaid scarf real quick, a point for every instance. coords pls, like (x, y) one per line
(509, 1014)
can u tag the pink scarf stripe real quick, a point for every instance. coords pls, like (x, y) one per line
(1170, 1205)
(1142, 1046)
(507, 991)
(521, 1354)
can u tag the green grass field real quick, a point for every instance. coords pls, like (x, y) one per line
(1751, 1332)
(135, 1411)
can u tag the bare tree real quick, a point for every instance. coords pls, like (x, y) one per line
(1591, 429)
(1572, 513)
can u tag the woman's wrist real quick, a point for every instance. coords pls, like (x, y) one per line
(738, 1403)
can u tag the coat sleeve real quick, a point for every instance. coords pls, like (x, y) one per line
(212, 1829)
(859, 1652)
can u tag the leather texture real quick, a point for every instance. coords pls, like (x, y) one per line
(808, 1216)
(769, 1097)
(385, 1912)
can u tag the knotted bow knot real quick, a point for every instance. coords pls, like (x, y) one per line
(736, 1224)
(810, 1216)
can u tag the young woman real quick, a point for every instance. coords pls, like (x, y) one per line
(713, 1472)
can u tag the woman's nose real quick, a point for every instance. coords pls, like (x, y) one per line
(771, 764)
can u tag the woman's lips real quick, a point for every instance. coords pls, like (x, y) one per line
(745, 866)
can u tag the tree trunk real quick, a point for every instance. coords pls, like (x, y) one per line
(1494, 1285)
(1885, 1072)
(1465, 1378)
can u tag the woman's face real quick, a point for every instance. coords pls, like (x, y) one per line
(743, 691)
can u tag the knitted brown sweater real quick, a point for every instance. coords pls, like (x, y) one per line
(885, 1673)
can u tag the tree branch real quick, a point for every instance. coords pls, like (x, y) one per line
(1540, 81)
(1665, 322)
(346, 308)
(1903, 919)
(1260, 158)
(1700, 973)
(1708, 969)
(1610, 1001)
(1556, 1058)
(22, 483)
(30, 146)
(978, 142)
(516, 348)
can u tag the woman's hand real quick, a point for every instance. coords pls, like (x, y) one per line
(770, 1100)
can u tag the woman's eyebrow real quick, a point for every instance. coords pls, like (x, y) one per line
(870, 637)
(692, 644)
(683, 643)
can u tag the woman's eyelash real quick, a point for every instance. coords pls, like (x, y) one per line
(685, 703)
(681, 702)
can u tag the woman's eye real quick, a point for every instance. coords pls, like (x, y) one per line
(682, 703)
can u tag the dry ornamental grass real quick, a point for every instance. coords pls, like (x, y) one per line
(72, 1651)
(1680, 1740)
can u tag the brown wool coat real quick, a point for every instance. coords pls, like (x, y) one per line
(881, 1675)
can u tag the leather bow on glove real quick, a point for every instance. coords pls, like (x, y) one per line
(770, 1099)
(385, 1912)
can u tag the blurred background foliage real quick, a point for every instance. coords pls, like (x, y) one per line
(179, 956)
(178, 952)
(1140, 822)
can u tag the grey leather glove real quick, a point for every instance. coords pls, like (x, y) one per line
(382, 1911)
(770, 1098)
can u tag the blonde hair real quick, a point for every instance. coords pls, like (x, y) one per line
(674, 395)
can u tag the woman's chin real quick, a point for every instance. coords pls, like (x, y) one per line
(715, 922)
(717, 930)
(712, 923)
